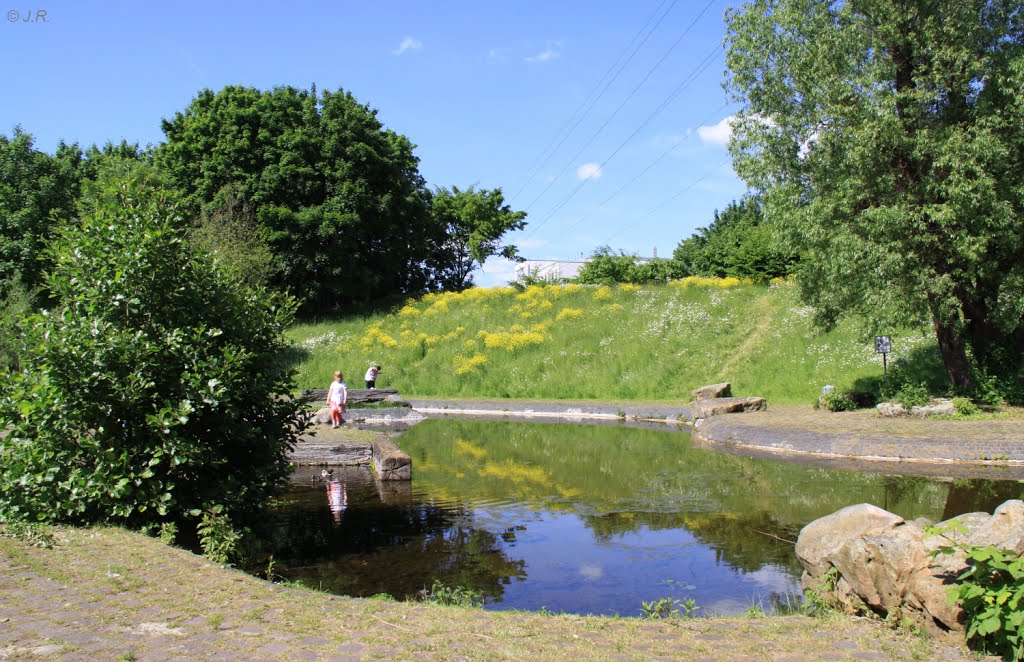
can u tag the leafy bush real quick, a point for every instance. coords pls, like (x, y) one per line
(991, 593)
(911, 395)
(836, 401)
(218, 538)
(152, 392)
(964, 407)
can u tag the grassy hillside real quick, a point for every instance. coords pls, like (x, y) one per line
(606, 343)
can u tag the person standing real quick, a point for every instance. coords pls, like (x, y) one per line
(337, 397)
(371, 376)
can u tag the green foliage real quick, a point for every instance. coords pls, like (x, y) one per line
(217, 536)
(534, 279)
(820, 600)
(836, 401)
(228, 230)
(337, 197)
(451, 596)
(965, 408)
(606, 268)
(474, 223)
(32, 533)
(669, 608)
(37, 191)
(151, 392)
(991, 593)
(886, 138)
(16, 304)
(910, 395)
(737, 243)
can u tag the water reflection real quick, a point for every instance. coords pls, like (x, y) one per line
(582, 519)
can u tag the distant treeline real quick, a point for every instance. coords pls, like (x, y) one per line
(737, 243)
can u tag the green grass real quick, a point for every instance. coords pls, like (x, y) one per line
(590, 343)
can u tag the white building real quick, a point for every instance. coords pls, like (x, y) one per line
(545, 269)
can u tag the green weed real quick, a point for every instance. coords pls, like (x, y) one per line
(451, 596)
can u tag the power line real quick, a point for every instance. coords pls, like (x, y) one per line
(550, 151)
(700, 68)
(601, 128)
(645, 170)
(665, 202)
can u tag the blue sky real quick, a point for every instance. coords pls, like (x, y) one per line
(486, 90)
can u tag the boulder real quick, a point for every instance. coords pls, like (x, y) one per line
(322, 416)
(723, 390)
(1005, 529)
(821, 540)
(715, 406)
(397, 401)
(936, 408)
(891, 566)
(891, 409)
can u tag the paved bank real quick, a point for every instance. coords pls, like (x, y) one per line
(859, 440)
(557, 410)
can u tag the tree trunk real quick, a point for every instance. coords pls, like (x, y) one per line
(954, 353)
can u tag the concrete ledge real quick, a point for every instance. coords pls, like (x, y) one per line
(390, 462)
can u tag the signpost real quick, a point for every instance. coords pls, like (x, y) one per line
(883, 346)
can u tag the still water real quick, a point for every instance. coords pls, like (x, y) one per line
(582, 519)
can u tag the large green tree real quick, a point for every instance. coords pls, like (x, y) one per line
(887, 136)
(473, 223)
(336, 196)
(153, 390)
(36, 190)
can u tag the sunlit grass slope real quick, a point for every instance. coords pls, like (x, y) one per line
(606, 343)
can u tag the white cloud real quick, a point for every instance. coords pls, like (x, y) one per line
(589, 171)
(409, 43)
(549, 53)
(719, 133)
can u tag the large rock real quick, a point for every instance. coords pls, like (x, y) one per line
(822, 539)
(723, 390)
(715, 406)
(936, 408)
(891, 409)
(890, 566)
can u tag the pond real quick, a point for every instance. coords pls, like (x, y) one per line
(582, 519)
